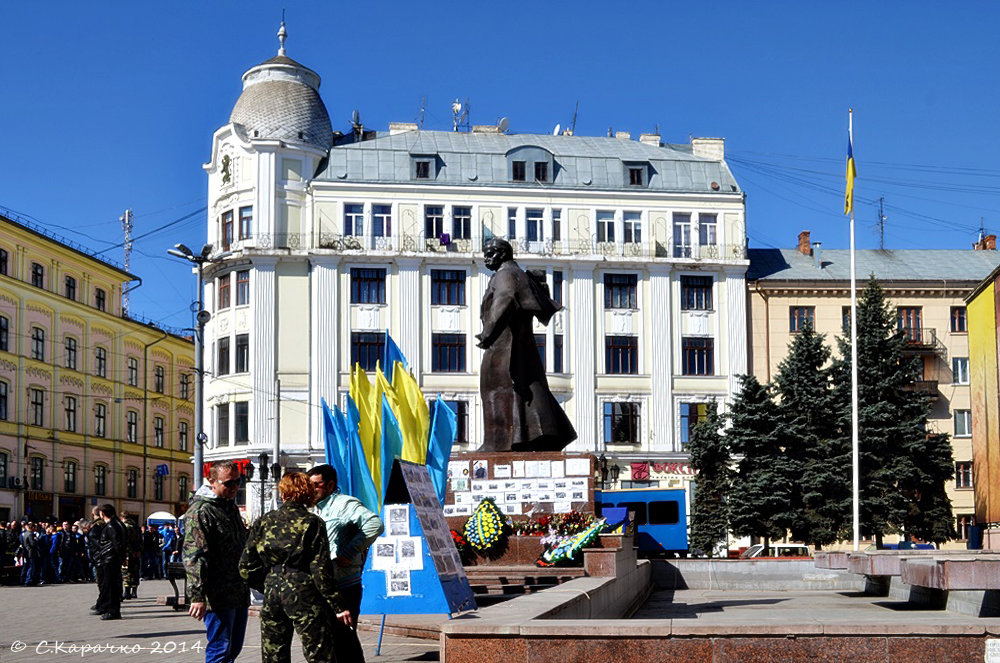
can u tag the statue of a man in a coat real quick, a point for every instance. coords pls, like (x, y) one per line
(520, 413)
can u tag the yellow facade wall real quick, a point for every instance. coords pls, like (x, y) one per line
(983, 369)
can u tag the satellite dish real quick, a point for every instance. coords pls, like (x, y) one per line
(503, 124)
(555, 132)
(456, 106)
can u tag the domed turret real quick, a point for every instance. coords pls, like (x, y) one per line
(281, 101)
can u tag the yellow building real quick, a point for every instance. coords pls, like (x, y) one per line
(95, 407)
(789, 287)
(982, 306)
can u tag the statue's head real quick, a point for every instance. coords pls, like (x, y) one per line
(496, 252)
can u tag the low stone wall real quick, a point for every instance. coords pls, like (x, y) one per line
(752, 575)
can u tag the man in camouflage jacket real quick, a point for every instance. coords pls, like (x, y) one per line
(214, 539)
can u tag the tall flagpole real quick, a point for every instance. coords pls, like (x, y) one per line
(855, 457)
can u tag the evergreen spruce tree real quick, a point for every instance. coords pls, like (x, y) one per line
(710, 458)
(760, 503)
(903, 467)
(817, 460)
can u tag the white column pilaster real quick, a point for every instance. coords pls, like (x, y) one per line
(660, 363)
(580, 348)
(409, 313)
(263, 354)
(324, 360)
(735, 310)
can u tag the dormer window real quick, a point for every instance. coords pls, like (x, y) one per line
(424, 167)
(541, 171)
(517, 171)
(637, 174)
(530, 163)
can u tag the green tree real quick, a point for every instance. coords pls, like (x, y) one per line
(817, 460)
(710, 458)
(760, 502)
(903, 468)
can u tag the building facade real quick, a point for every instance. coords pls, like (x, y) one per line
(333, 238)
(94, 407)
(789, 288)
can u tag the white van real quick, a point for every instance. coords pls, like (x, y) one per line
(777, 550)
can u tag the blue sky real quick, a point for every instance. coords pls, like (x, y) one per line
(112, 105)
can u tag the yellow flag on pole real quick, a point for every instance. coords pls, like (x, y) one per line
(414, 416)
(851, 170)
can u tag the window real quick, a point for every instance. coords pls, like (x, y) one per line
(36, 405)
(182, 488)
(37, 275)
(422, 169)
(70, 288)
(354, 219)
(605, 226)
(246, 222)
(691, 415)
(4, 333)
(101, 362)
(3, 401)
(367, 348)
(100, 420)
(185, 386)
(698, 356)
(224, 297)
(959, 323)
(382, 220)
(158, 487)
(3, 469)
(960, 370)
(182, 435)
(132, 426)
(636, 176)
(461, 222)
(448, 287)
(367, 286)
(909, 322)
(541, 171)
(132, 483)
(799, 317)
(158, 432)
(540, 346)
(448, 353)
(433, 221)
(159, 379)
(620, 291)
(511, 223)
(242, 353)
(243, 287)
(963, 525)
(533, 221)
(517, 171)
(222, 424)
(132, 372)
(707, 225)
(70, 410)
(100, 299)
(621, 355)
(37, 473)
(38, 343)
(71, 353)
(963, 423)
(101, 480)
(963, 475)
(556, 225)
(621, 423)
(227, 230)
(557, 286)
(222, 359)
(461, 410)
(682, 235)
(696, 293)
(3, 262)
(241, 415)
(557, 353)
(69, 477)
(632, 227)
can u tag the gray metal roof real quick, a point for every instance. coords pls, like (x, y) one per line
(886, 265)
(479, 159)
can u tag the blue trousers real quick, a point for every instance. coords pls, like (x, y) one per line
(226, 629)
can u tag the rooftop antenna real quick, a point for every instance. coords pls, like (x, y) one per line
(128, 223)
(460, 115)
(572, 127)
(282, 34)
(881, 224)
(423, 111)
(356, 123)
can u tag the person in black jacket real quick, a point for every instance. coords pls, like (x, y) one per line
(110, 555)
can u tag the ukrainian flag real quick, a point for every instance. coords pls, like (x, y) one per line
(851, 170)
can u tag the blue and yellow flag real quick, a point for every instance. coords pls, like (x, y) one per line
(851, 170)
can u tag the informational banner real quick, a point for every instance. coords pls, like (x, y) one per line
(414, 567)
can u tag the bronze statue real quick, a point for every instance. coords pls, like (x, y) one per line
(520, 413)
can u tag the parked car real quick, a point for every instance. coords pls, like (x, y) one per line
(777, 550)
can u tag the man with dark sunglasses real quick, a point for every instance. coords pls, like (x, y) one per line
(215, 536)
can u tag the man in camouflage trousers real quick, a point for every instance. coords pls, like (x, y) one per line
(214, 539)
(133, 553)
(288, 559)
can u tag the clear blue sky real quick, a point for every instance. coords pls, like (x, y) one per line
(112, 105)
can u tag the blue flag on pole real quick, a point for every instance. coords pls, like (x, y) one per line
(390, 355)
(444, 425)
(362, 486)
(346, 474)
(335, 442)
(392, 443)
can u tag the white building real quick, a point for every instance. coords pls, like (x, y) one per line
(334, 238)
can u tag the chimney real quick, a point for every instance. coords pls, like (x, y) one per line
(804, 247)
(401, 127)
(709, 148)
(818, 254)
(986, 243)
(623, 135)
(650, 139)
